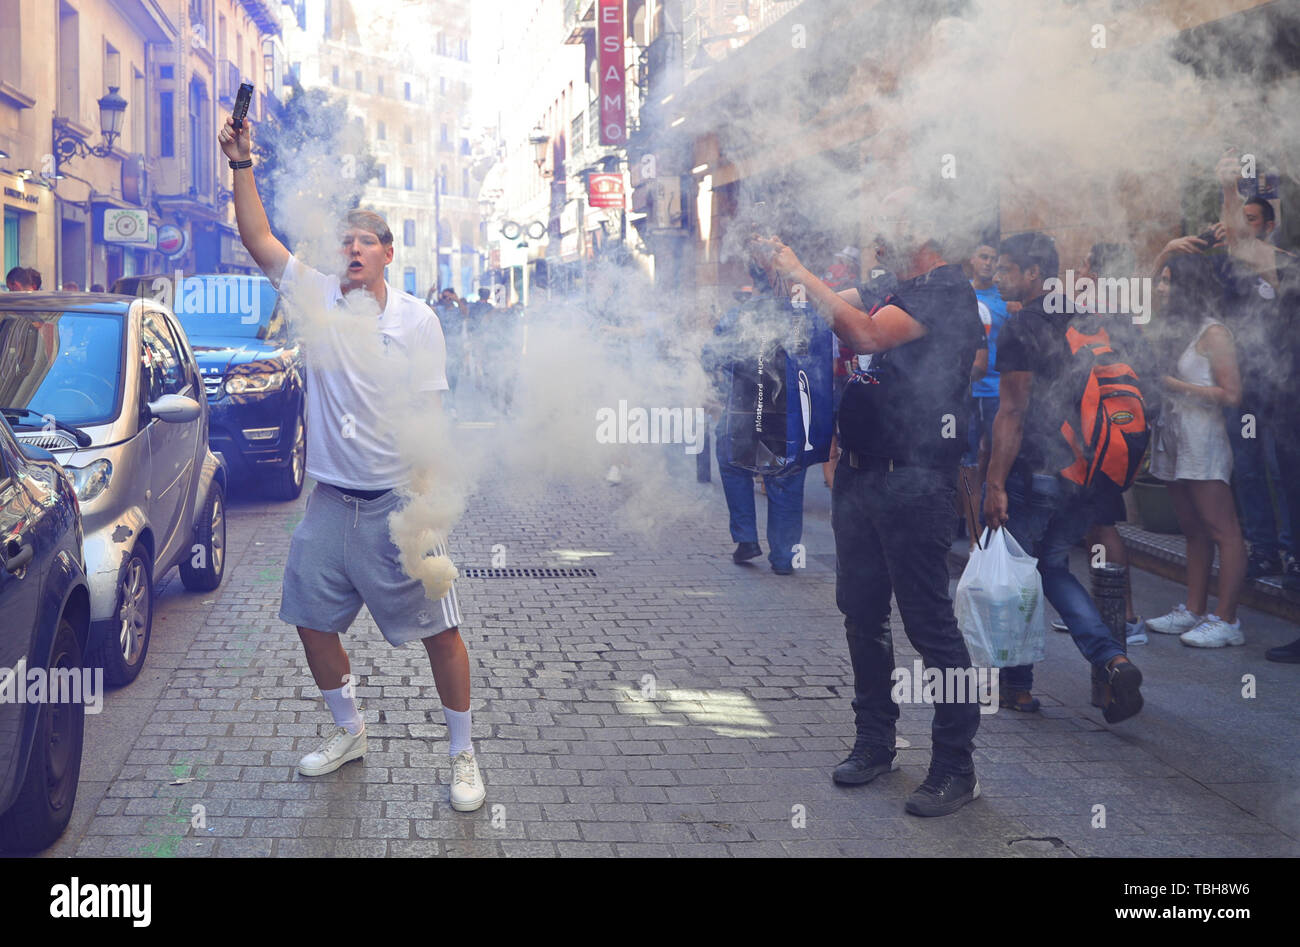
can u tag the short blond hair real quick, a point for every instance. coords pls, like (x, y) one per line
(370, 221)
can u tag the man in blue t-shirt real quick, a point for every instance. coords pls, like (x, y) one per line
(993, 313)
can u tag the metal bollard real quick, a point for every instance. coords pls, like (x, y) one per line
(1108, 584)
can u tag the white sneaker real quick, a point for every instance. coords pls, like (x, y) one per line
(1175, 623)
(338, 748)
(613, 476)
(1214, 632)
(467, 792)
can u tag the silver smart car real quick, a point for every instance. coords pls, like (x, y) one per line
(109, 385)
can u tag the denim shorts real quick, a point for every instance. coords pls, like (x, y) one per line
(341, 557)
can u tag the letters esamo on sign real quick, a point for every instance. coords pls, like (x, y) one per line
(777, 414)
(613, 82)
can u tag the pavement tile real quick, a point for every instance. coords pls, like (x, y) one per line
(748, 717)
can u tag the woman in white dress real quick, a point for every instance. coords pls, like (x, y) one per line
(1191, 451)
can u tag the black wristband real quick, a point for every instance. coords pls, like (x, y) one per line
(246, 163)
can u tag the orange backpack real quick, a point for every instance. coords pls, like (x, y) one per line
(1112, 434)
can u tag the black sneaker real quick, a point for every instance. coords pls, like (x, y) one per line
(746, 551)
(782, 570)
(864, 764)
(1125, 698)
(1260, 566)
(943, 793)
(1286, 654)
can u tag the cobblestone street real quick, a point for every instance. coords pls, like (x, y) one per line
(669, 703)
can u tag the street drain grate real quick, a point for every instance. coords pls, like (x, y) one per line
(477, 572)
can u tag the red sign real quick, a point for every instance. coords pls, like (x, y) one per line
(605, 190)
(613, 85)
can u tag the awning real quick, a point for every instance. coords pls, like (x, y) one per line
(109, 200)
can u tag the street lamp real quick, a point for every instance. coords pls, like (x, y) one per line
(68, 144)
(112, 109)
(539, 140)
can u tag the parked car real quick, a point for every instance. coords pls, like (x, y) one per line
(252, 373)
(46, 607)
(110, 387)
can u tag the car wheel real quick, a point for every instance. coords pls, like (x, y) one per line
(122, 651)
(288, 480)
(44, 803)
(210, 549)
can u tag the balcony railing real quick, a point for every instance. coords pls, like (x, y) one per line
(576, 136)
(265, 13)
(769, 11)
(711, 26)
(579, 16)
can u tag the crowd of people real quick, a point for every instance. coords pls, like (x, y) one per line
(1205, 375)
(484, 342)
(26, 279)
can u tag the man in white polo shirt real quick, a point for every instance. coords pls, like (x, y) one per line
(372, 355)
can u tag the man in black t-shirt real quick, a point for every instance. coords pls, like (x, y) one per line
(1038, 390)
(892, 509)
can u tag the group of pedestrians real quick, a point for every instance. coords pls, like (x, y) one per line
(919, 331)
(484, 343)
(1202, 383)
(26, 279)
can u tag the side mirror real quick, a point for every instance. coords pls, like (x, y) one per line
(175, 409)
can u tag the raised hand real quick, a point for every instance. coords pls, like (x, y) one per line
(236, 144)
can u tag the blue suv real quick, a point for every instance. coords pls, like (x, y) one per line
(252, 372)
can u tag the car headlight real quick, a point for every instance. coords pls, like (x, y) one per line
(92, 479)
(252, 384)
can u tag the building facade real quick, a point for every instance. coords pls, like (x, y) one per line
(405, 73)
(220, 44)
(707, 148)
(109, 111)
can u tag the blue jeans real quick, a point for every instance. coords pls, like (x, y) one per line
(1254, 464)
(784, 510)
(983, 410)
(1046, 521)
(893, 530)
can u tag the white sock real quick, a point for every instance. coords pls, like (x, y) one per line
(458, 727)
(344, 710)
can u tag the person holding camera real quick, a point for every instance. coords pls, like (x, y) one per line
(341, 555)
(892, 501)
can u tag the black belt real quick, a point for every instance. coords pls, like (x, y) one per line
(364, 494)
(867, 461)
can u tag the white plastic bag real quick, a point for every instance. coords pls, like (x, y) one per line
(999, 604)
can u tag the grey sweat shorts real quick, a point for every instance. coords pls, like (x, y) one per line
(341, 557)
